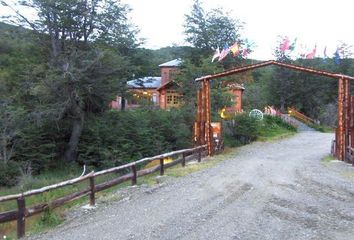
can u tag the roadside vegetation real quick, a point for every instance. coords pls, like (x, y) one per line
(243, 129)
(59, 74)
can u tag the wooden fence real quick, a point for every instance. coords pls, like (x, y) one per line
(22, 212)
(301, 117)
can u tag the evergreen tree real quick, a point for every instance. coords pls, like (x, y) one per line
(211, 30)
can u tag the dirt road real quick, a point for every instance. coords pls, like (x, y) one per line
(274, 190)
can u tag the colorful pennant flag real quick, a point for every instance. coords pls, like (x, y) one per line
(224, 52)
(337, 57)
(245, 53)
(285, 45)
(325, 52)
(312, 54)
(216, 55)
(235, 49)
(293, 45)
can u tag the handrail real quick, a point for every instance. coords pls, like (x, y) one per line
(46, 188)
(300, 116)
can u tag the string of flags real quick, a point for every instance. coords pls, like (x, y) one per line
(234, 49)
(286, 46)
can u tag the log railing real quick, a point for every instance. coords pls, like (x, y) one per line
(301, 117)
(24, 212)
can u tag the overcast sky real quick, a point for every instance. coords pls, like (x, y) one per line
(324, 23)
(321, 22)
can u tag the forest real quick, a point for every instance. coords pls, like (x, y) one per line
(59, 73)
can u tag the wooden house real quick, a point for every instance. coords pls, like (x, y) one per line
(159, 91)
(168, 91)
(236, 90)
(162, 91)
(143, 90)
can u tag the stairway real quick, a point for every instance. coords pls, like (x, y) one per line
(302, 127)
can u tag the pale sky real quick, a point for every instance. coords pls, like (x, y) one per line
(321, 22)
(324, 23)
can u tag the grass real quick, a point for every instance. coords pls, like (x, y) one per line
(327, 159)
(275, 134)
(273, 128)
(48, 219)
(321, 128)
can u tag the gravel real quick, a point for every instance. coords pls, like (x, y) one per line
(265, 190)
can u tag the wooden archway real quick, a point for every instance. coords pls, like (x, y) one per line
(344, 137)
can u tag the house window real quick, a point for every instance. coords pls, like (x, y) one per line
(173, 98)
(154, 98)
(169, 99)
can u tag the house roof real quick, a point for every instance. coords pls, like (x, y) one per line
(145, 82)
(173, 63)
(167, 84)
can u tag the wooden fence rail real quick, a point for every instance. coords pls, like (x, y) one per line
(24, 212)
(294, 113)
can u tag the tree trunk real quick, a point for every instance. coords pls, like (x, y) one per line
(122, 107)
(282, 104)
(71, 151)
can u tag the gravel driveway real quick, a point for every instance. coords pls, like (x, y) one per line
(273, 190)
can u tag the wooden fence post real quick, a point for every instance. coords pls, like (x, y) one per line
(93, 190)
(162, 171)
(21, 217)
(134, 176)
(183, 159)
(199, 154)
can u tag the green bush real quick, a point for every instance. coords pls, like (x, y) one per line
(241, 130)
(276, 122)
(118, 137)
(9, 173)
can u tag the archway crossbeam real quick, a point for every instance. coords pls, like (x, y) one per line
(272, 62)
(344, 137)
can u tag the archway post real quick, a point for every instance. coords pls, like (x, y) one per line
(208, 128)
(347, 106)
(343, 139)
(340, 133)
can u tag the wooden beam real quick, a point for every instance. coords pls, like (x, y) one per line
(21, 217)
(8, 216)
(208, 130)
(202, 116)
(47, 188)
(272, 62)
(92, 191)
(341, 121)
(346, 118)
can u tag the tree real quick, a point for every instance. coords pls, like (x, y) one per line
(282, 83)
(85, 41)
(345, 54)
(211, 30)
(11, 121)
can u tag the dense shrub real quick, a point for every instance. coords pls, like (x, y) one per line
(118, 137)
(9, 173)
(274, 122)
(243, 129)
